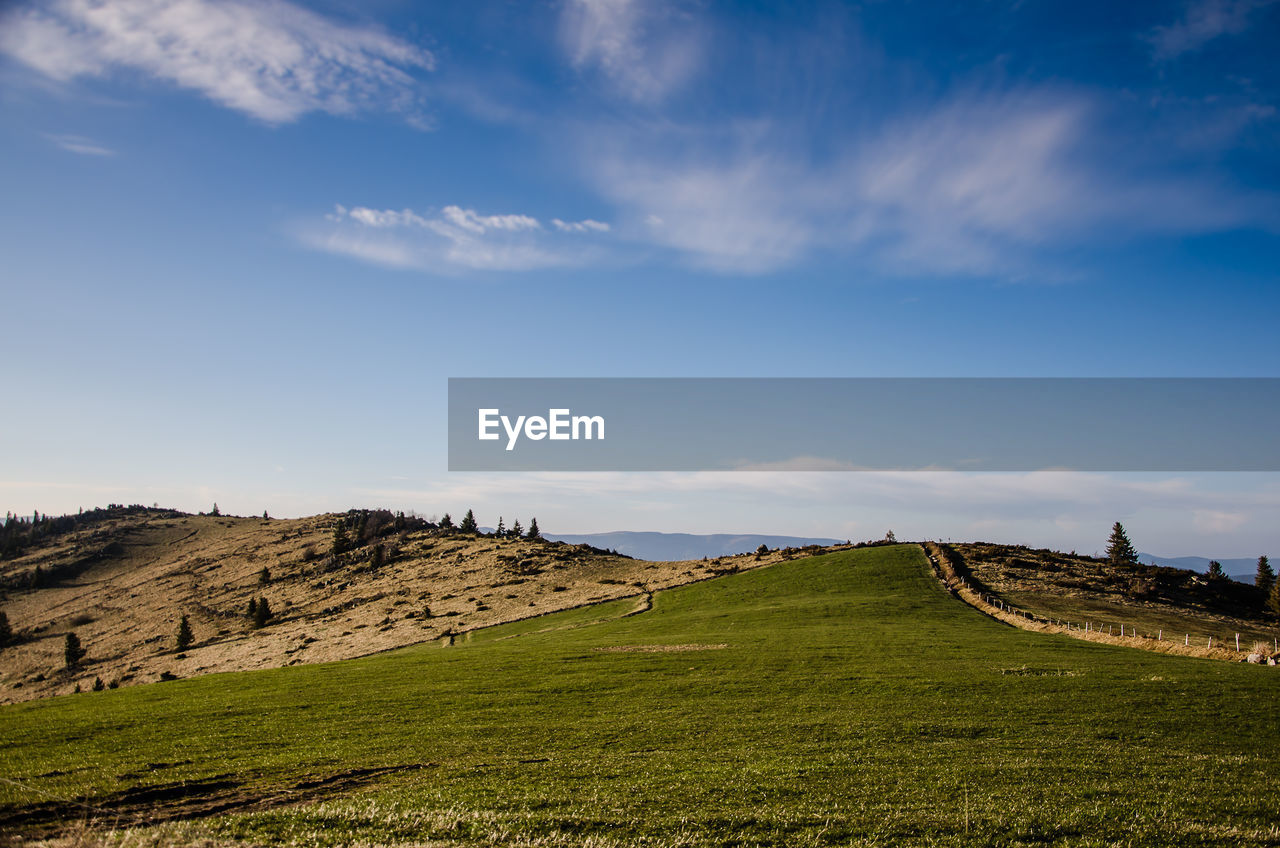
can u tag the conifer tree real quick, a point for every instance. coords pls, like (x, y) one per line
(1119, 550)
(262, 613)
(1273, 602)
(516, 530)
(215, 511)
(6, 631)
(1265, 577)
(253, 608)
(73, 651)
(1215, 570)
(468, 524)
(264, 576)
(341, 544)
(98, 685)
(185, 637)
(534, 532)
(446, 523)
(502, 530)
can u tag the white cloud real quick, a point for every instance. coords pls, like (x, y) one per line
(80, 144)
(644, 49)
(749, 213)
(453, 239)
(467, 219)
(977, 184)
(1203, 22)
(586, 225)
(270, 59)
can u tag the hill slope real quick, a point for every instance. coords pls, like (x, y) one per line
(1171, 603)
(843, 699)
(121, 581)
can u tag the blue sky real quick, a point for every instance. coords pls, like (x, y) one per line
(247, 243)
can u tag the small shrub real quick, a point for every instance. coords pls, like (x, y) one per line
(98, 685)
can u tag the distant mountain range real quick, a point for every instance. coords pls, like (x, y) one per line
(664, 547)
(1242, 569)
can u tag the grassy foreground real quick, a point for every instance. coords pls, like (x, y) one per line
(840, 700)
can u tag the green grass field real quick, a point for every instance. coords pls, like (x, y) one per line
(854, 703)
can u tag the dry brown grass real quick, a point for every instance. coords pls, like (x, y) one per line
(947, 573)
(125, 608)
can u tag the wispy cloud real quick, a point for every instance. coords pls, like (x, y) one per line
(271, 59)
(584, 226)
(1204, 21)
(644, 49)
(452, 239)
(979, 183)
(79, 144)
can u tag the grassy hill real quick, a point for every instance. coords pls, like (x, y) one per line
(845, 699)
(121, 577)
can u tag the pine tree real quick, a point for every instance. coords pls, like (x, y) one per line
(1265, 577)
(534, 532)
(98, 685)
(468, 524)
(253, 608)
(73, 651)
(185, 637)
(502, 530)
(379, 557)
(516, 530)
(264, 576)
(446, 523)
(1215, 570)
(1273, 602)
(215, 511)
(6, 631)
(262, 613)
(1119, 550)
(341, 544)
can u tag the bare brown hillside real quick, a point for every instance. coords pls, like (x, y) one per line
(1147, 602)
(122, 583)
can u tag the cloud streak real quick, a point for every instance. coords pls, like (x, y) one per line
(272, 60)
(979, 183)
(644, 50)
(1203, 22)
(451, 240)
(79, 144)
